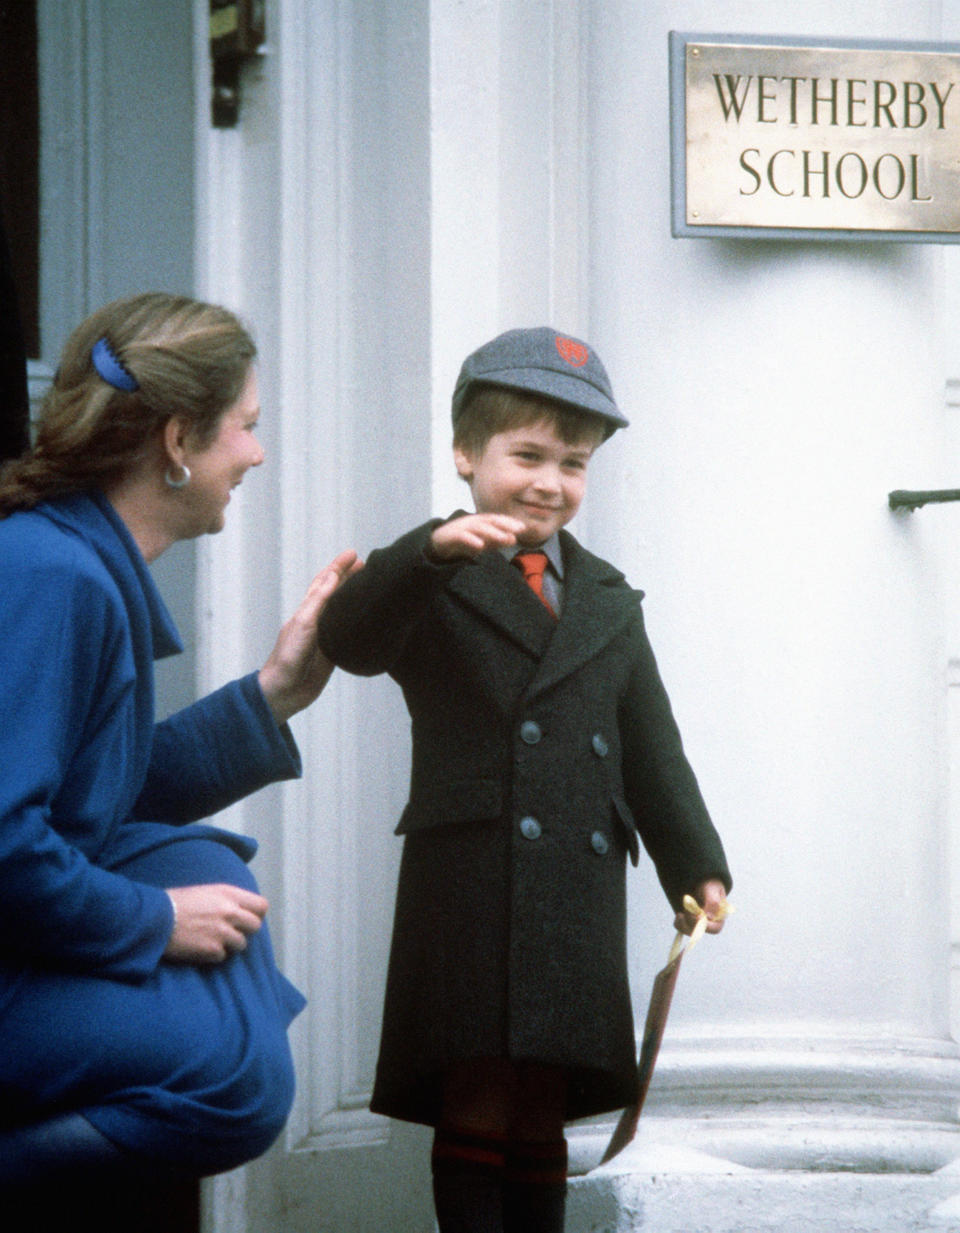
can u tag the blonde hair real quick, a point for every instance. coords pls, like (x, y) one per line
(188, 359)
(496, 408)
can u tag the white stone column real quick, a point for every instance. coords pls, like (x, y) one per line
(315, 225)
(778, 392)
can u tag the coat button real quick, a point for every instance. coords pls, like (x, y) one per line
(599, 843)
(530, 732)
(600, 746)
(530, 828)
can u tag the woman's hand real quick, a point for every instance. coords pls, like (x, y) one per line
(712, 897)
(297, 669)
(473, 534)
(213, 922)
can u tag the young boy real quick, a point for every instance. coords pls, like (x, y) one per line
(543, 746)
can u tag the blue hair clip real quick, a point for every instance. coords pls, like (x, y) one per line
(111, 369)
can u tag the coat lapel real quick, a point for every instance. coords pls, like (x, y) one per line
(492, 587)
(596, 606)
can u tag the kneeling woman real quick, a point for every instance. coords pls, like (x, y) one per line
(142, 1015)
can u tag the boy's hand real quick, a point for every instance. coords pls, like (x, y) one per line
(473, 534)
(712, 897)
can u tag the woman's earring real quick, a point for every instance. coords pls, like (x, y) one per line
(182, 481)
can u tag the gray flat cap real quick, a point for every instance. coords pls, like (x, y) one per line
(545, 362)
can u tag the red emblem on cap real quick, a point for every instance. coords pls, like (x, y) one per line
(576, 354)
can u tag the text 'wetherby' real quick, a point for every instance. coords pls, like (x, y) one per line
(851, 103)
(822, 137)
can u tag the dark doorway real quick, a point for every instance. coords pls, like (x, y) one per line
(20, 158)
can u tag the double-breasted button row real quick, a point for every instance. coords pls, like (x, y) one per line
(531, 734)
(531, 829)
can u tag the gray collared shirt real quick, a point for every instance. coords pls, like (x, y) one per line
(553, 577)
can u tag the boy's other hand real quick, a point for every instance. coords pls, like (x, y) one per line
(472, 535)
(712, 897)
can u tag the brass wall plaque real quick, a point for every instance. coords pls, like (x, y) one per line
(853, 141)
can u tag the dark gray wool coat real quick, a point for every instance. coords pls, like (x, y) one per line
(541, 750)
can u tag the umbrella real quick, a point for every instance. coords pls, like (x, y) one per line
(660, 998)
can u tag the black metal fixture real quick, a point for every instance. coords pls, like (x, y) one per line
(237, 33)
(902, 498)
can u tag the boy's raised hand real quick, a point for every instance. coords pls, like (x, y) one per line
(473, 534)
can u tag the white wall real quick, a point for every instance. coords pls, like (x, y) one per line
(779, 392)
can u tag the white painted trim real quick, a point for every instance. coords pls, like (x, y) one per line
(569, 198)
(300, 103)
(495, 265)
(216, 265)
(314, 65)
(465, 162)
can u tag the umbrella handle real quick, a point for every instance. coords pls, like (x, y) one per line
(692, 908)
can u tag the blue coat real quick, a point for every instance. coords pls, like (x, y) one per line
(188, 1063)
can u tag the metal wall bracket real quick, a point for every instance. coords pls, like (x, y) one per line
(237, 34)
(902, 498)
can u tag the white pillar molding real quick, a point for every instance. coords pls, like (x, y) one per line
(313, 218)
(315, 347)
(465, 207)
(296, 293)
(221, 563)
(508, 113)
(221, 574)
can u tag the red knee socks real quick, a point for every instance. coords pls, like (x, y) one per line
(468, 1174)
(482, 1184)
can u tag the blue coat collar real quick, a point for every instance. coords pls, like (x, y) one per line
(91, 517)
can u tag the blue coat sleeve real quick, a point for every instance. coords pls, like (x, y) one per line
(215, 752)
(65, 751)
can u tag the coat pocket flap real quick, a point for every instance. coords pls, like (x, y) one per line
(628, 826)
(471, 800)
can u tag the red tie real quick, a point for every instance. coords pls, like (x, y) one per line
(533, 566)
